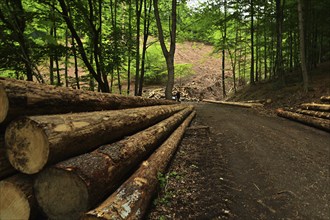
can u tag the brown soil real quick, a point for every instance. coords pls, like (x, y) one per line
(248, 166)
(205, 82)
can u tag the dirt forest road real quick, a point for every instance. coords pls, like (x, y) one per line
(248, 166)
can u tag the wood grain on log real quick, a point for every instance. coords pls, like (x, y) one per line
(318, 114)
(34, 141)
(17, 200)
(320, 123)
(316, 106)
(132, 199)
(240, 104)
(325, 99)
(28, 98)
(84, 181)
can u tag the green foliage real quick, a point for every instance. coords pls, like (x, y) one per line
(27, 41)
(156, 71)
(165, 196)
(182, 70)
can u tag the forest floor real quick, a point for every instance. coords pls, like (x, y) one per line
(249, 164)
(246, 166)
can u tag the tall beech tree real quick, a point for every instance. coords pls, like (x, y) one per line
(168, 54)
(302, 45)
(279, 38)
(14, 17)
(252, 42)
(98, 74)
(146, 27)
(138, 11)
(224, 39)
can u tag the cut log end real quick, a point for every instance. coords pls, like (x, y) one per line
(61, 194)
(13, 202)
(27, 146)
(4, 103)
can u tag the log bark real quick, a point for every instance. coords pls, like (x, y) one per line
(261, 101)
(28, 98)
(319, 114)
(325, 99)
(17, 200)
(6, 169)
(84, 181)
(316, 106)
(4, 103)
(132, 199)
(320, 123)
(240, 104)
(34, 141)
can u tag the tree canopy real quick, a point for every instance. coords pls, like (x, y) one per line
(102, 44)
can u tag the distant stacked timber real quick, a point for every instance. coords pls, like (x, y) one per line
(239, 104)
(312, 114)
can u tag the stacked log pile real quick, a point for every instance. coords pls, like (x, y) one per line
(19, 98)
(64, 151)
(312, 114)
(186, 94)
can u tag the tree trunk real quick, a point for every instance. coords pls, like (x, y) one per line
(252, 44)
(129, 47)
(17, 200)
(34, 141)
(265, 44)
(257, 70)
(118, 78)
(291, 50)
(17, 24)
(316, 106)
(138, 9)
(19, 98)
(224, 35)
(146, 25)
(170, 78)
(279, 56)
(319, 114)
(95, 175)
(323, 124)
(137, 192)
(56, 58)
(51, 57)
(91, 60)
(168, 54)
(101, 79)
(66, 58)
(302, 46)
(75, 63)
